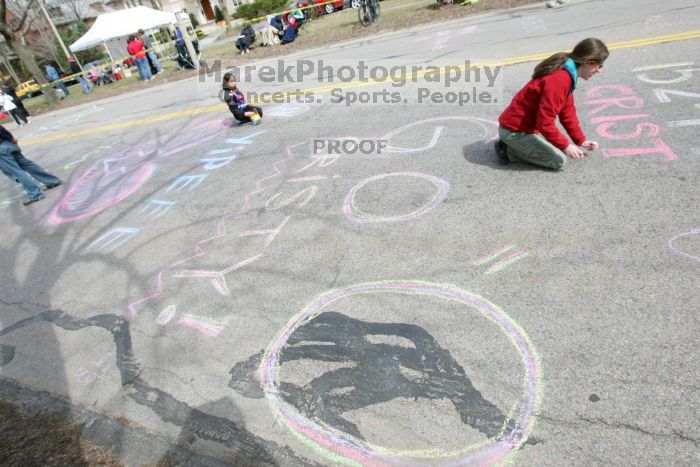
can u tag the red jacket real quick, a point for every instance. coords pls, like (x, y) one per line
(135, 48)
(535, 108)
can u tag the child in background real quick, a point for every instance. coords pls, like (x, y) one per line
(8, 104)
(236, 102)
(527, 127)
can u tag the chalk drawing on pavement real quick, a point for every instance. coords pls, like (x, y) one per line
(336, 437)
(286, 110)
(112, 179)
(501, 258)
(105, 184)
(191, 420)
(673, 244)
(355, 214)
(92, 371)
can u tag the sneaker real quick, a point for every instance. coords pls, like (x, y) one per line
(53, 186)
(502, 152)
(29, 201)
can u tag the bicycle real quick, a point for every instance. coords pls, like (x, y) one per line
(368, 12)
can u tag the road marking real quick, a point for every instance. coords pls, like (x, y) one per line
(688, 35)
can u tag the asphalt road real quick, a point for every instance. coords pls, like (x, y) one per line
(221, 294)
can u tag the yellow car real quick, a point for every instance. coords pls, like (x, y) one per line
(28, 88)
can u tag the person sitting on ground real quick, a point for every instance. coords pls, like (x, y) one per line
(277, 23)
(527, 127)
(237, 104)
(290, 32)
(271, 34)
(298, 16)
(246, 38)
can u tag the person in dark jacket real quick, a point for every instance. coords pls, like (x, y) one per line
(75, 69)
(20, 169)
(237, 104)
(246, 39)
(527, 127)
(10, 91)
(290, 32)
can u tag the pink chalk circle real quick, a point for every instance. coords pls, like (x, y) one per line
(99, 189)
(353, 213)
(343, 448)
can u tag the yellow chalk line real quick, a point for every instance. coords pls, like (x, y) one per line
(683, 36)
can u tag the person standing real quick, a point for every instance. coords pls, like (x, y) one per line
(75, 69)
(10, 91)
(135, 49)
(527, 127)
(9, 106)
(20, 169)
(150, 53)
(53, 76)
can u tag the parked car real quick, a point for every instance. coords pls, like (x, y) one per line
(329, 8)
(317, 11)
(28, 89)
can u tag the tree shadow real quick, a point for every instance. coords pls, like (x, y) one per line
(34, 256)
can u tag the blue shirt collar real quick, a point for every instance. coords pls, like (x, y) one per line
(570, 66)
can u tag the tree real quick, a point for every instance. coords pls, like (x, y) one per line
(227, 16)
(13, 33)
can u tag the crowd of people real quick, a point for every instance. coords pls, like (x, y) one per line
(276, 32)
(527, 129)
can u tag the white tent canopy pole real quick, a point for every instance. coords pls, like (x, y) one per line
(122, 23)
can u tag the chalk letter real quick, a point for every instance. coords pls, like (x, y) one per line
(639, 129)
(185, 180)
(658, 148)
(114, 238)
(634, 103)
(217, 162)
(159, 207)
(312, 192)
(270, 233)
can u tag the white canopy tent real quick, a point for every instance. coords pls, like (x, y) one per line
(121, 23)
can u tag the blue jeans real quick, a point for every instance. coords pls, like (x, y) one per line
(144, 68)
(62, 87)
(84, 83)
(154, 59)
(19, 168)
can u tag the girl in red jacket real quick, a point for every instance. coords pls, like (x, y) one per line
(528, 130)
